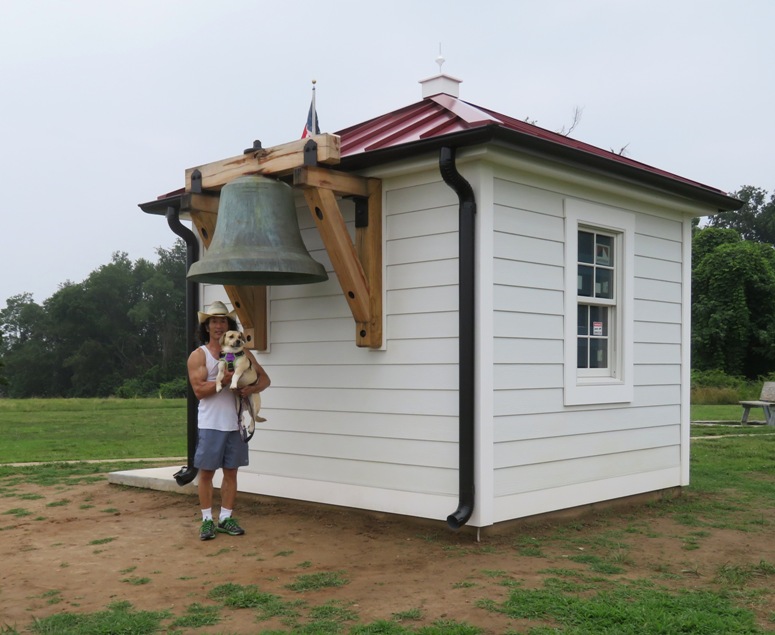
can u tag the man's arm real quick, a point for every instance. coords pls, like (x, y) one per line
(197, 375)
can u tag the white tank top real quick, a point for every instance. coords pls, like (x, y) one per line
(219, 411)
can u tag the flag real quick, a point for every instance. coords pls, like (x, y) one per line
(312, 127)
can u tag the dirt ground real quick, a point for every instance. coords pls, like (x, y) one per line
(79, 548)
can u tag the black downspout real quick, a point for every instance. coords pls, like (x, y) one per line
(188, 473)
(466, 313)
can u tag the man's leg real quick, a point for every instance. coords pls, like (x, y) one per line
(228, 488)
(206, 488)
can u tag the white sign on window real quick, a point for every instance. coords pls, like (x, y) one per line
(597, 328)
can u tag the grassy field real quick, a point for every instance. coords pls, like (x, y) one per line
(84, 429)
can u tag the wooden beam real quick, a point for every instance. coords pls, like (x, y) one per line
(250, 302)
(340, 248)
(342, 183)
(368, 246)
(276, 161)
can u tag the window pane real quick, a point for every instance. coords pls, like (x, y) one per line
(599, 319)
(598, 353)
(585, 280)
(583, 320)
(604, 251)
(604, 283)
(581, 361)
(586, 247)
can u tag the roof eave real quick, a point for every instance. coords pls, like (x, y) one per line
(574, 157)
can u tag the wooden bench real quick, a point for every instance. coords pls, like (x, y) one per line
(766, 402)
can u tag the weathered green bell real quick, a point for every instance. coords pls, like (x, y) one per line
(257, 240)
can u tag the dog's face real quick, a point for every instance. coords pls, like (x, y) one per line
(232, 341)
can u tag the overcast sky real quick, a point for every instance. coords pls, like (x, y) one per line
(105, 104)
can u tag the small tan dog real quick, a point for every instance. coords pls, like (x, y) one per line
(234, 358)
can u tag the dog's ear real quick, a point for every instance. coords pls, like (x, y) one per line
(222, 341)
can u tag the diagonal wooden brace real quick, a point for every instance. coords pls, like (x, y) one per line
(359, 274)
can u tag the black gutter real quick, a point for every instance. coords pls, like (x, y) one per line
(466, 344)
(577, 158)
(170, 207)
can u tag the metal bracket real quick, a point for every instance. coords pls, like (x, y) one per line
(311, 153)
(361, 211)
(196, 182)
(256, 147)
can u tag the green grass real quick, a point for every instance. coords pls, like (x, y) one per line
(728, 412)
(85, 429)
(118, 618)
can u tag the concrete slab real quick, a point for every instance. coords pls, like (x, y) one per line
(158, 478)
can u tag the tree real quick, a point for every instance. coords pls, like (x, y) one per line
(124, 324)
(755, 220)
(733, 304)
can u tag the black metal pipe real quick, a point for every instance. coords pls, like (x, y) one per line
(466, 344)
(188, 472)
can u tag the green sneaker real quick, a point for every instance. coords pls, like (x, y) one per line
(207, 532)
(231, 527)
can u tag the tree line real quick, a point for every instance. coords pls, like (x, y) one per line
(121, 333)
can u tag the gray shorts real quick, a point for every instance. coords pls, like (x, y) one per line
(216, 449)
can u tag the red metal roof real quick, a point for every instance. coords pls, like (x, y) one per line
(442, 115)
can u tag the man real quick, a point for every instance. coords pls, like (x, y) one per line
(220, 445)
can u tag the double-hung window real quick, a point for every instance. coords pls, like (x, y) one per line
(598, 291)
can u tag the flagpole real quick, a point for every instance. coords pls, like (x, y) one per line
(314, 110)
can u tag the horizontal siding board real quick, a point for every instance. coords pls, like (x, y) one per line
(520, 272)
(410, 402)
(413, 452)
(660, 290)
(330, 330)
(536, 451)
(423, 325)
(425, 300)
(425, 222)
(651, 353)
(434, 351)
(425, 196)
(591, 420)
(663, 249)
(534, 401)
(657, 332)
(652, 311)
(379, 424)
(525, 223)
(521, 376)
(657, 374)
(527, 478)
(521, 196)
(659, 227)
(510, 324)
(310, 308)
(647, 267)
(421, 249)
(527, 351)
(528, 300)
(423, 274)
(511, 247)
(368, 474)
(378, 376)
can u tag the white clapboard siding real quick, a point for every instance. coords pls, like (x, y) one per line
(523, 375)
(658, 269)
(545, 476)
(528, 249)
(515, 324)
(522, 222)
(657, 374)
(408, 478)
(660, 290)
(591, 420)
(438, 351)
(422, 248)
(657, 332)
(527, 351)
(379, 424)
(544, 450)
(527, 299)
(657, 247)
(424, 300)
(376, 376)
(513, 272)
(508, 193)
(419, 275)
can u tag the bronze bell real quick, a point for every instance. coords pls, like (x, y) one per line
(257, 240)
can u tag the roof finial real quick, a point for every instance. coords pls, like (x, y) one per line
(440, 59)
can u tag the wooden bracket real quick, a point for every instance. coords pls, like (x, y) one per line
(358, 265)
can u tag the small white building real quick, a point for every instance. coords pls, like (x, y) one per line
(535, 356)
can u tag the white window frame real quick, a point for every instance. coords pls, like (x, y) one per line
(614, 384)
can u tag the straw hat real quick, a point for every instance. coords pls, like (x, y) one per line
(217, 309)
